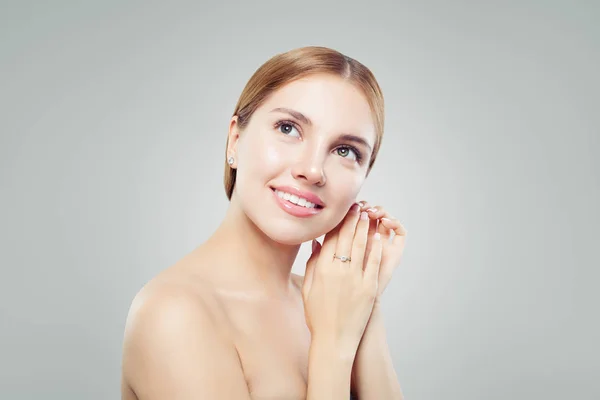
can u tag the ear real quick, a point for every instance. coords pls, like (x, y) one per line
(233, 139)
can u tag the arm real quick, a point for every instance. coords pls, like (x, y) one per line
(329, 370)
(373, 372)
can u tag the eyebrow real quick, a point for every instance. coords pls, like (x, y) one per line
(303, 118)
(296, 114)
(356, 139)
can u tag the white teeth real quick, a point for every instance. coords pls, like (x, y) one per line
(300, 201)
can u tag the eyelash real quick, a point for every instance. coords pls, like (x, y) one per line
(287, 122)
(355, 150)
(357, 153)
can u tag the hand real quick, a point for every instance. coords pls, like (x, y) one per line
(389, 228)
(339, 296)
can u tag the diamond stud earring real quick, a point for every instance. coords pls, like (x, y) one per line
(230, 160)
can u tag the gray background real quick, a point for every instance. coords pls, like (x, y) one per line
(113, 124)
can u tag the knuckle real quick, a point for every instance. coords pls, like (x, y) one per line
(351, 217)
(370, 293)
(360, 247)
(328, 271)
(347, 228)
(374, 257)
(360, 237)
(364, 223)
(320, 276)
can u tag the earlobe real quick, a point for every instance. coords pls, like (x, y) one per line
(232, 140)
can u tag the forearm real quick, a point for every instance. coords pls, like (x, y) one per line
(329, 370)
(373, 372)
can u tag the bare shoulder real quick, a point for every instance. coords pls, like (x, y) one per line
(169, 300)
(175, 346)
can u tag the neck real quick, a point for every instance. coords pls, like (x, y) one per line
(248, 256)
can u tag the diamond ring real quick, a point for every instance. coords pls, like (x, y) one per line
(342, 258)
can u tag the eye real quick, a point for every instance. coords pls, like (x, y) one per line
(287, 128)
(349, 152)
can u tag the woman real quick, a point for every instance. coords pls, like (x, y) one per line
(230, 320)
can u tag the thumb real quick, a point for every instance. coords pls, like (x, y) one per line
(310, 267)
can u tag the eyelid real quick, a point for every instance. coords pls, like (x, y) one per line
(357, 153)
(288, 121)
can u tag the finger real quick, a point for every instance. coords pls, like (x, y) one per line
(364, 205)
(384, 231)
(376, 212)
(373, 224)
(399, 239)
(346, 235)
(394, 225)
(310, 267)
(359, 244)
(374, 261)
(330, 240)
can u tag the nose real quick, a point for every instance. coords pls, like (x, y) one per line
(309, 168)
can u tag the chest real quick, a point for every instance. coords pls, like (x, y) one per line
(273, 344)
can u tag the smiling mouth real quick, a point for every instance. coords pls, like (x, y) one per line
(296, 200)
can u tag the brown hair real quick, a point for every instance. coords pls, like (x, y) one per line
(297, 63)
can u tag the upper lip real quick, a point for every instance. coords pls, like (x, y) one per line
(313, 198)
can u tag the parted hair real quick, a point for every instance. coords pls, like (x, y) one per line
(286, 67)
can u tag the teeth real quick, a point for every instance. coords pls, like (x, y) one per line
(295, 199)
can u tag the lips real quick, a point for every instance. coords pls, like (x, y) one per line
(313, 198)
(295, 210)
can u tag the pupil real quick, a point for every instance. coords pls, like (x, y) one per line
(343, 152)
(287, 128)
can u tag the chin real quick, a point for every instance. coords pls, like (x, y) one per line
(286, 233)
(284, 229)
(281, 226)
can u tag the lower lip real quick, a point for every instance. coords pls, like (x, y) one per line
(295, 210)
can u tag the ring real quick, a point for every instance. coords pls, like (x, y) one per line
(342, 258)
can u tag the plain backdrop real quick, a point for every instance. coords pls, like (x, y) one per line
(113, 123)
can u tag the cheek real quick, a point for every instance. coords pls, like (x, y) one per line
(272, 156)
(262, 157)
(345, 183)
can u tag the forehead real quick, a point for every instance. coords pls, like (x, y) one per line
(330, 102)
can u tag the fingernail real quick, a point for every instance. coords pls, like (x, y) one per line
(314, 245)
(364, 215)
(361, 204)
(377, 236)
(354, 207)
(373, 210)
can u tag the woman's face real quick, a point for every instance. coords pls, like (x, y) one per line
(309, 142)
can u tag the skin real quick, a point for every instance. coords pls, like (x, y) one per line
(230, 320)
